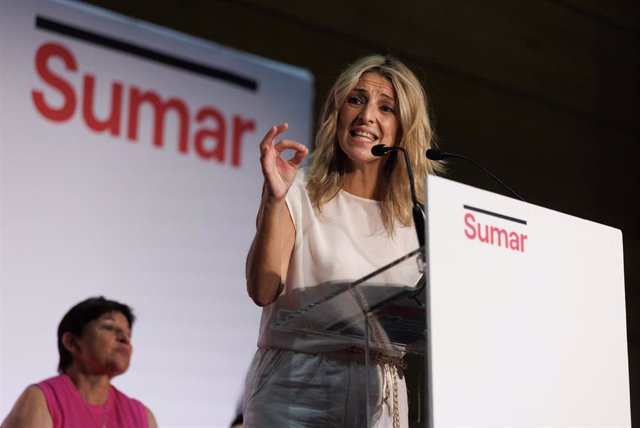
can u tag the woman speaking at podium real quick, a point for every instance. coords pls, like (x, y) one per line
(346, 215)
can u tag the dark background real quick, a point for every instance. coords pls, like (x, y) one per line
(544, 93)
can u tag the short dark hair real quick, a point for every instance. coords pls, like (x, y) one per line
(82, 314)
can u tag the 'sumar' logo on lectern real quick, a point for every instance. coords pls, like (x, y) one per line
(490, 234)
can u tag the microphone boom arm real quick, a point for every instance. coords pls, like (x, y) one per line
(489, 174)
(434, 154)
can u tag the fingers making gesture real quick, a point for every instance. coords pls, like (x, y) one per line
(278, 172)
(270, 252)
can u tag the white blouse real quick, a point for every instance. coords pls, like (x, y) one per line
(340, 244)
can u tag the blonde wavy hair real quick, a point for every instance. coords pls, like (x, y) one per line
(326, 174)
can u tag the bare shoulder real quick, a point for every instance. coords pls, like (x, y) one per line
(150, 418)
(29, 411)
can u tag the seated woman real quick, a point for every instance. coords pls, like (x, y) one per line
(94, 342)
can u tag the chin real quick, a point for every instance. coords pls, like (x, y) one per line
(364, 159)
(359, 155)
(118, 368)
(114, 373)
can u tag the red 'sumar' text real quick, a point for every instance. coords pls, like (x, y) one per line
(493, 235)
(210, 141)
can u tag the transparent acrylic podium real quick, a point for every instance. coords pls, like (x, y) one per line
(382, 313)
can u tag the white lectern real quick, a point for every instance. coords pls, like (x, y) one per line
(525, 316)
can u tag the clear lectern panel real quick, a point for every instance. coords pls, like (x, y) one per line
(382, 313)
(391, 299)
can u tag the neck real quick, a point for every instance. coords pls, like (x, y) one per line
(93, 388)
(363, 181)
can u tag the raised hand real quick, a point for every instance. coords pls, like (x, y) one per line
(278, 172)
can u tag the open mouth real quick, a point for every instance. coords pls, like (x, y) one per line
(363, 136)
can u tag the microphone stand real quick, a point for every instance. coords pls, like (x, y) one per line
(434, 154)
(417, 212)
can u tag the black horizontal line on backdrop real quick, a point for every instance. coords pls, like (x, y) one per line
(143, 52)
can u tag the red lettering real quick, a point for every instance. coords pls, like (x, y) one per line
(217, 135)
(496, 236)
(208, 142)
(522, 239)
(514, 241)
(493, 235)
(112, 123)
(470, 221)
(486, 237)
(136, 98)
(240, 126)
(43, 55)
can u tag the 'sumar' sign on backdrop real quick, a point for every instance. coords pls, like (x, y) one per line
(130, 168)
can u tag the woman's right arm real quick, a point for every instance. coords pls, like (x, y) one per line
(30, 411)
(268, 258)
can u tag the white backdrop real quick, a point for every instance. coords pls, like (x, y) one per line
(160, 222)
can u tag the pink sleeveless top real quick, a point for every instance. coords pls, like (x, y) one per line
(69, 410)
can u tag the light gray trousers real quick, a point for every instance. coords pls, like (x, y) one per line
(292, 389)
